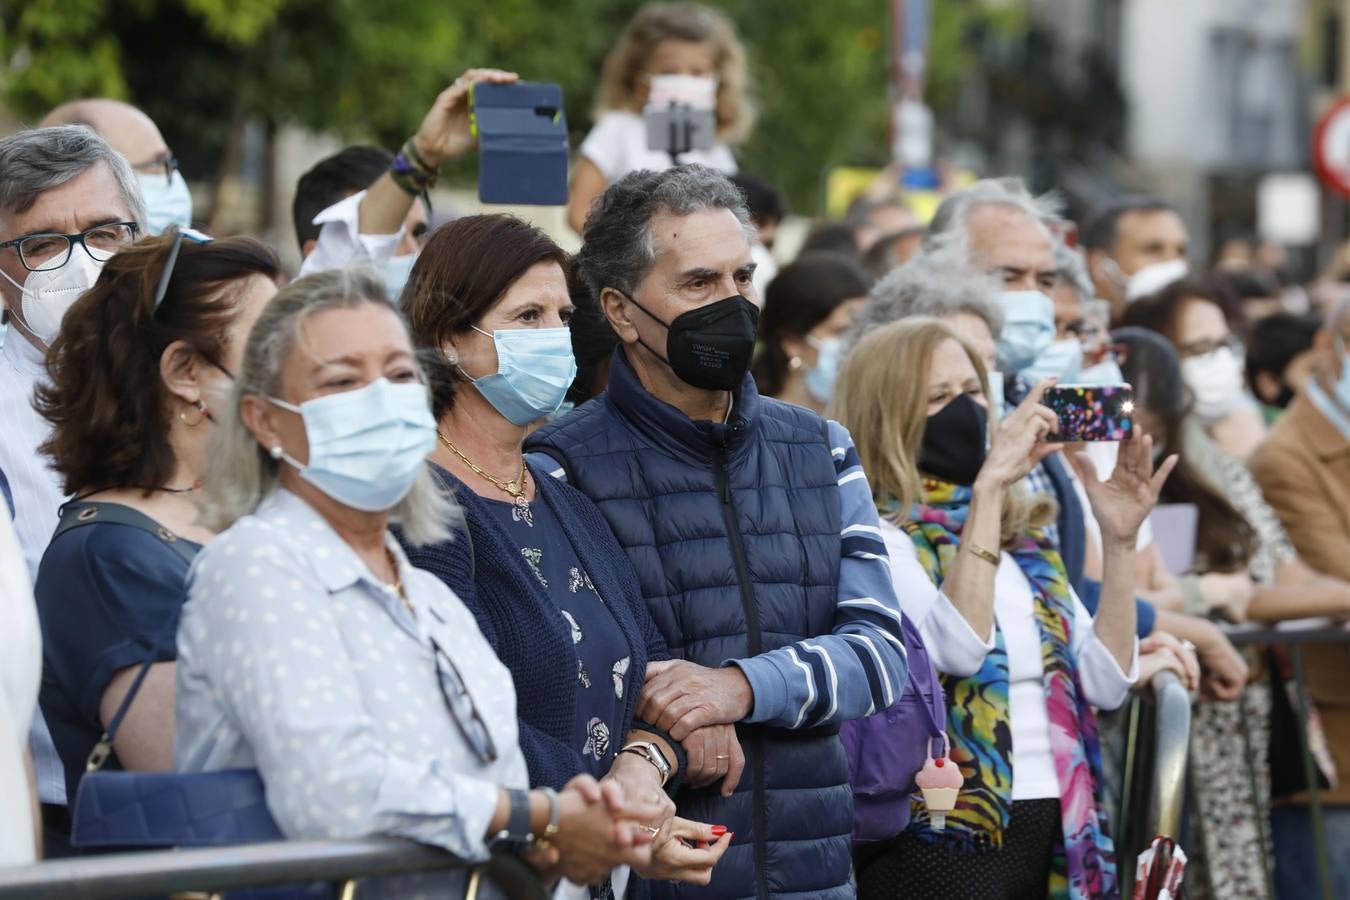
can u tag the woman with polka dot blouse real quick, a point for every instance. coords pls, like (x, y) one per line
(359, 687)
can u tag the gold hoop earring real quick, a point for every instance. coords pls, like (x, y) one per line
(201, 415)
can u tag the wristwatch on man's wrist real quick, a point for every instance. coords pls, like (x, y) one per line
(652, 754)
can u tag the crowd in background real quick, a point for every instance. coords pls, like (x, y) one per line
(675, 566)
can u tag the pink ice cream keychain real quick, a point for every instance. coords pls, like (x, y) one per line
(940, 781)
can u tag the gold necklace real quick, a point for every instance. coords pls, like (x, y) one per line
(397, 587)
(515, 488)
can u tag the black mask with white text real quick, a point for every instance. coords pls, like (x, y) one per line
(711, 347)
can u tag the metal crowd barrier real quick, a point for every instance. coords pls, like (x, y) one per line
(1292, 636)
(165, 872)
(1157, 738)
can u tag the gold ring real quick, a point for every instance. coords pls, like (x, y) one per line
(724, 757)
(653, 830)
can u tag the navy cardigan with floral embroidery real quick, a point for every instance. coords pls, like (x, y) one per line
(521, 622)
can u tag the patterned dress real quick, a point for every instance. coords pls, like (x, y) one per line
(1229, 777)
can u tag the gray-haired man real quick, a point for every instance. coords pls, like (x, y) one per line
(751, 529)
(68, 201)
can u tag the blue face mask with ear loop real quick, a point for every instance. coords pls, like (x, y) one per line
(167, 201)
(366, 446)
(1028, 329)
(1341, 389)
(535, 367)
(395, 275)
(820, 379)
(1062, 360)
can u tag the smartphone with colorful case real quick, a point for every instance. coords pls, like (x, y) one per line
(1091, 412)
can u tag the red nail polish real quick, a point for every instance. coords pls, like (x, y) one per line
(719, 830)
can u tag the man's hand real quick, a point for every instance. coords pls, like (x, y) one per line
(681, 697)
(445, 133)
(714, 752)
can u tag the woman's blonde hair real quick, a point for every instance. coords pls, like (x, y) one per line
(881, 397)
(242, 474)
(621, 77)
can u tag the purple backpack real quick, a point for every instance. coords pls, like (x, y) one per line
(886, 750)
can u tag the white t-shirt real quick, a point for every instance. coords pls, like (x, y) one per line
(957, 650)
(618, 145)
(20, 669)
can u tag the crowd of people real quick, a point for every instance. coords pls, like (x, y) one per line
(657, 564)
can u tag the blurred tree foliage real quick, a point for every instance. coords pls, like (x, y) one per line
(204, 68)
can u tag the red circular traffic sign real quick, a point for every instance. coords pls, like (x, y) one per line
(1331, 147)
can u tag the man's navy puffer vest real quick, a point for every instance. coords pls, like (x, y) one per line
(734, 532)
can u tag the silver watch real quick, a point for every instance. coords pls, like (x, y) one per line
(652, 754)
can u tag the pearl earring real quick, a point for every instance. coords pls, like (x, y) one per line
(277, 452)
(795, 363)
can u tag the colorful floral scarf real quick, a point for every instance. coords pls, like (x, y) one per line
(978, 711)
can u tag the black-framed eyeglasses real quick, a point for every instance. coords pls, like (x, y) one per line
(45, 251)
(1206, 347)
(166, 162)
(462, 708)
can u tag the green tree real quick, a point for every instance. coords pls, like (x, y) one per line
(205, 68)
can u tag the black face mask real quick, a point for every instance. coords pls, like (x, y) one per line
(954, 441)
(711, 347)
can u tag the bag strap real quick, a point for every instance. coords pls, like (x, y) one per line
(79, 513)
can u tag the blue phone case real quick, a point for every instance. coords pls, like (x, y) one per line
(522, 143)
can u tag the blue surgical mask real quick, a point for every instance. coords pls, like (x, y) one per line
(820, 379)
(395, 275)
(1028, 329)
(1103, 373)
(1341, 389)
(1062, 360)
(535, 367)
(367, 446)
(167, 202)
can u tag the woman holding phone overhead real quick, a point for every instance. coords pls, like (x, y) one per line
(1022, 661)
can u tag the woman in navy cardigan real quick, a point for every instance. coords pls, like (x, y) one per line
(553, 592)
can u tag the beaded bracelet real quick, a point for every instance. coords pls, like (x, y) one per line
(411, 172)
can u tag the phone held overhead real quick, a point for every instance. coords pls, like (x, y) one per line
(522, 143)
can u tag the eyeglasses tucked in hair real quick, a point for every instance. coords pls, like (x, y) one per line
(167, 275)
(462, 708)
(45, 251)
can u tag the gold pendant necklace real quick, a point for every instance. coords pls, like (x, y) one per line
(515, 488)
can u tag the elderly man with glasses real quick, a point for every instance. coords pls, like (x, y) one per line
(68, 202)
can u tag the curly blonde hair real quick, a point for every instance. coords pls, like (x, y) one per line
(621, 86)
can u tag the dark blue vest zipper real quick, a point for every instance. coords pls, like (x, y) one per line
(755, 640)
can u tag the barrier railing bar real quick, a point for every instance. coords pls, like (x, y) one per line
(1314, 631)
(1171, 744)
(163, 872)
(1302, 713)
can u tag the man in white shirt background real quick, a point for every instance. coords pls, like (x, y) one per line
(67, 201)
